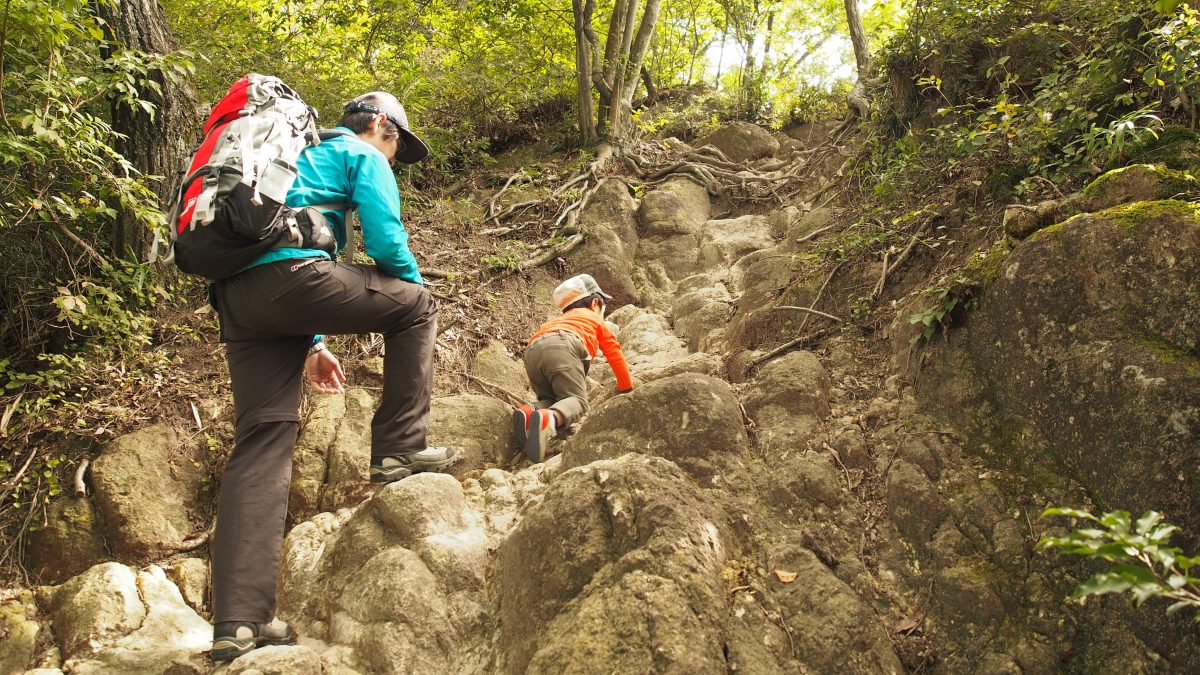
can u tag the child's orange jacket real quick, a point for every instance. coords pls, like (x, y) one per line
(590, 328)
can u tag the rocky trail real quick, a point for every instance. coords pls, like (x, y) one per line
(782, 493)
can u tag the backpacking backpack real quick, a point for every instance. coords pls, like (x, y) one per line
(228, 208)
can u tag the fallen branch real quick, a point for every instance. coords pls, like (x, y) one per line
(555, 252)
(82, 244)
(788, 346)
(878, 290)
(812, 311)
(903, 257)
(492, 203)
(513, 399)
(80, 486)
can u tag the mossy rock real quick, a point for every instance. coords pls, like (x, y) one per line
(1177, 147)
(1085, 347)
(1138, 182)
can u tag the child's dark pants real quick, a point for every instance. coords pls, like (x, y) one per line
(557, 367)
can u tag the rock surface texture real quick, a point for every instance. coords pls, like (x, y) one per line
(738, 511)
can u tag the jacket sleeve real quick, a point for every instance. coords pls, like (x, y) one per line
(616, 358)
(373, 190)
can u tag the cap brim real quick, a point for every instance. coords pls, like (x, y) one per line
(415, 149)
(606, 296)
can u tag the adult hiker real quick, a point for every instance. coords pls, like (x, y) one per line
(273, 314)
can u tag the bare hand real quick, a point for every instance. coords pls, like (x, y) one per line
(325, 372)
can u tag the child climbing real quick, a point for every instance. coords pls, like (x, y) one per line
(557, 359)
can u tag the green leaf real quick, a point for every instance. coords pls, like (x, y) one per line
(1167, 7)
(1148, 520)
(1178, 606)
(1100, 584)
(1067, 511)
(1117, 521)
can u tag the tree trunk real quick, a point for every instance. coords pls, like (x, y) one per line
(858, 38)
(158, 145)
(857, 99)
(651, 89)
(583, 71)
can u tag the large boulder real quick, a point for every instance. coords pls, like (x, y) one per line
(477, 427)
(632, 585)
(833, 630)
(691, 419)
(742, 141)
(1084, 350)
(399, 580)
(607, 253)
(71, 541)
(724, 241)
(1138, 182)
(349, 453)
(787, 399)
(701, 316)
(495, 365)
(147, 484)
(678, 206)
(113, 619)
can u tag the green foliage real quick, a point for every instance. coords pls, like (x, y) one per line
(507, 259)
(1144, 564)
(1050, 91)
(939, 315)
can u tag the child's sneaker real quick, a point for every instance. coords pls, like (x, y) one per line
(541, 430)
(232, 639)
(520, 424)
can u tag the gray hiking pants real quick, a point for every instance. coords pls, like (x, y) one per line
(269, 315)
(557, 365)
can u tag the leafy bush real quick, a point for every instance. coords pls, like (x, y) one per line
(1145, 565)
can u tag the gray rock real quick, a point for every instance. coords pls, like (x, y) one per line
(70, 542)
(609, 220)
(477, 427)
(724, 241)
(278, 660)
(701, 316)
(190, 576)
(96, 607)
(349, 454)
(420, 506)
(742, 141)
(691, 419)
(913, 503)
(146, 487)
(633, 584)
(20, 630)
(678, 206)
(309, 461)
(494, 364)
(113, 620)
(1083, 351)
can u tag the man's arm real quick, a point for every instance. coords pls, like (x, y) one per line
(373, 189)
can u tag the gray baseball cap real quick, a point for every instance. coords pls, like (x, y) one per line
(381, 102)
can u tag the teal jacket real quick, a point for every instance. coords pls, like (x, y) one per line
(347, 170)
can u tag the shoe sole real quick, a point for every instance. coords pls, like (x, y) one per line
(237, 648)
(394, 474)
(520, 422)
(535, 447)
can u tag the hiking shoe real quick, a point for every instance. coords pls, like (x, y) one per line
(232, 639)
(541, 430)
(520, 424)
(393, 468)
